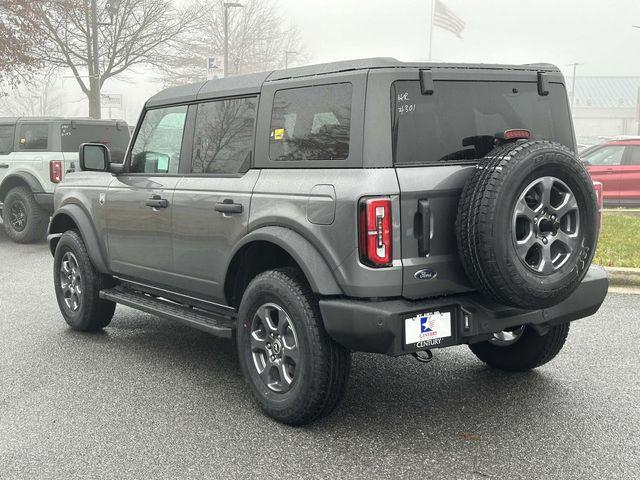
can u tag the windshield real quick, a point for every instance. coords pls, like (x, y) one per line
(460, 120)
(113, 137)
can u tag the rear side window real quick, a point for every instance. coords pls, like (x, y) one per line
(311, 123)
(159, 142)
(459, 121)
(605, 156)
(34, 137)
(223, 139)
(114, 137)
(7, 133)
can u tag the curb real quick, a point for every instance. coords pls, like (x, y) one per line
(620, 276)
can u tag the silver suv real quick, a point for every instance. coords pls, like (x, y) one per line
(371, 205)
(35, 153)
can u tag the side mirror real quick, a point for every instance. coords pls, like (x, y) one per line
(94, 157)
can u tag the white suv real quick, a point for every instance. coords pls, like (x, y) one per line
(35, 153)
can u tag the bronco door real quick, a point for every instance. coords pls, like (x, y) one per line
(139, 203)
(211, 202)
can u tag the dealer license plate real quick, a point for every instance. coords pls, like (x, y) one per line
(427, 328)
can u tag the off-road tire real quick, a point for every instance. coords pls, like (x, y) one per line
(530, 351)
(36, 217)
(321, 379)
(93, 313)
(484, 224)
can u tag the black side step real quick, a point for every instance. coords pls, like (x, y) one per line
(214, 323)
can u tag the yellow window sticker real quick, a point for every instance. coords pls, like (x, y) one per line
(278, 134)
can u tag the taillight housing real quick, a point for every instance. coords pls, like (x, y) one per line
(55, 171)
(597, 186)
(375, 243)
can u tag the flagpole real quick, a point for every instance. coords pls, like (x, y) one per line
(433, 9)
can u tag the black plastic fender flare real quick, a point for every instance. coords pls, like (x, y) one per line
(82, 220)
(311, 262)
(32, 182)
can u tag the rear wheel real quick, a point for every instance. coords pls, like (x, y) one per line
(24, 220)
(77, 285)
(521, 348)
(296, 372)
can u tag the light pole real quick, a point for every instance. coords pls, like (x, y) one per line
(227, 6)
(573, 81)
(286, 57)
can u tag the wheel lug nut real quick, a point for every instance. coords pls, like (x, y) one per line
(544, 240)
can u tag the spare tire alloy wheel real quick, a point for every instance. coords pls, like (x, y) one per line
(527, 224)
(274, 347)
(546, 222)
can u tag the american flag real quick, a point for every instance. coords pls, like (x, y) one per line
(445, 18)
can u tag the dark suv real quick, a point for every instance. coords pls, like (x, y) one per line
(369, 205)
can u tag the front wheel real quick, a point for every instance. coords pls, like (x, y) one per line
(77, 285)
(296, 372)
(521, 349)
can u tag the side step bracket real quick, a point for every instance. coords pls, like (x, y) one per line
(214, 323)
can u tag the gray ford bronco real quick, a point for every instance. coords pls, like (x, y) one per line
(370, 205)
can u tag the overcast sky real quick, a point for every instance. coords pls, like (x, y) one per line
(597, 33)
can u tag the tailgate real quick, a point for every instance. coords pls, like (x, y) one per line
(429, 203)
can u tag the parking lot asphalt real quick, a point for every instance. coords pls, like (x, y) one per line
(150, 399)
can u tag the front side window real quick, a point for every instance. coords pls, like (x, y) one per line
(7, 133)
(311, 123)
(606, 156)
(159, 142)
(34, 136)
(223, 139)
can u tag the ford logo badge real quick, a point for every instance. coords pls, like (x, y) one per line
(425, 274)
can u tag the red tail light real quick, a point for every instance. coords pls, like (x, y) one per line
(597, 186)
(55, 171)
(375, 232)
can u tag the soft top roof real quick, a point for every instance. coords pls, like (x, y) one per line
(252, 83)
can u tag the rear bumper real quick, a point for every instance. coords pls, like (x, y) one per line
(378, 326)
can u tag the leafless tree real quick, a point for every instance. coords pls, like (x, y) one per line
(39, 95)
(129, 33)
(259, 39)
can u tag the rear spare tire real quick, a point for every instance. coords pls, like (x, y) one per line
(527, 224)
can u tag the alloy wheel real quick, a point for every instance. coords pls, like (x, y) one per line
(546, 224)
(507, 337)
(71, 281)
(274, 347)
(18, 216)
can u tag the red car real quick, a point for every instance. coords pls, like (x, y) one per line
(616, 164)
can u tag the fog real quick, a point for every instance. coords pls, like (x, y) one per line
(597, 34)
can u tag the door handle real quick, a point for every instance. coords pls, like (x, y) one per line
(156, 201)
(423, 227)
(4, 165)
(228, 207)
